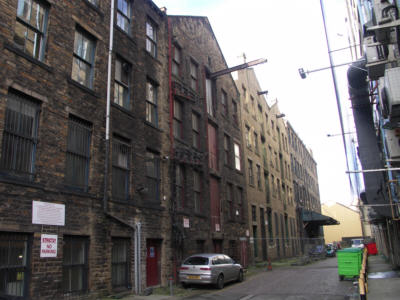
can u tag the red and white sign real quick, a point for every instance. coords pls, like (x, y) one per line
(48, 245)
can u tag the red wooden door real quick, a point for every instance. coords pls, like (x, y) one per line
(152, 263)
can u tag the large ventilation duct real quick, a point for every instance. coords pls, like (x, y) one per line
(368, 151)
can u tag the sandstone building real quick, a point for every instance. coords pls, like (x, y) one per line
(271, 206)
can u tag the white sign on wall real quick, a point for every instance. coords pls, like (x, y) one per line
(186, 223)
(48, 245)
(46, 213)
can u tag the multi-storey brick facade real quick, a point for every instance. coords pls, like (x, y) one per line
(211, 214)
(53, 91)
(271, 209)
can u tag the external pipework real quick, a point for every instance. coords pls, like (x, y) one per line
(368, 149)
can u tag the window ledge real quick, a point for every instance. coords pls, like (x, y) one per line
(123, 109)
(127, 35)
(152, 125)
(200, 215)
(81, 86)
(75, 191)
(28, 57)
(19, 181)
(94, 7)
(152, 57)
(151, 205)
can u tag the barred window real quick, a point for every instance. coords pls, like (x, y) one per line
(14, 264)
(151, 38)
(31, 26)
(235, 113)
(124, 15)
(20, 136)
(75, 264)
(180, 186)
(198, 205)
(227, 150)
(178, 119)
(229, 199)
(151, 103)
(258, 177)
(193, 75)
(251, 175)
(121, 153)
(120, 262)
(153, 177)
(83, 58)
(176, 61)
(196, 130)
(240, 203)
(224, 103)
(121, 85)
(78, 153)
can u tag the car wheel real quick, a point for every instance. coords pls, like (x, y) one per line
(240, 276)
(220, 282)
(184, 285)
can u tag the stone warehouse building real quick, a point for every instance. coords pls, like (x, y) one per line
(306, 194)
(210, 210)
(121, 151)
(271, 207)
(72, 180)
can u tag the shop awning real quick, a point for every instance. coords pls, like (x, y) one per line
(318, 219)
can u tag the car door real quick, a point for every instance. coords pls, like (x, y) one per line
(226, 265)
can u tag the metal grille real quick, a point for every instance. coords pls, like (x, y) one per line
(75, 264)
(153, 177)
(13, 264)
(78, 153)
(20, 136)
(121, 168)
(120, 263)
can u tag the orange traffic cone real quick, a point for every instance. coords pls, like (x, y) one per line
(269, 268)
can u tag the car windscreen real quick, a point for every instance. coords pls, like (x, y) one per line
(196, 260)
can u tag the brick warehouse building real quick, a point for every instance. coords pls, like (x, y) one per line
(111, 232)
(210, 211)
(107, 189)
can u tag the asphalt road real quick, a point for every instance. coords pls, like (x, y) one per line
(317, 281)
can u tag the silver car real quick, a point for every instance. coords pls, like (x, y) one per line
(214, 269)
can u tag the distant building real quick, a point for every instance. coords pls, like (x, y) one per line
(271, 206)
(349, 219)
(306, 193)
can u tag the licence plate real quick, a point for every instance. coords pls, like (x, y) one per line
(193, 277)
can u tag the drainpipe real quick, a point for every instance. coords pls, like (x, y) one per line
(171, 137)
(107, 141)
(138, 245)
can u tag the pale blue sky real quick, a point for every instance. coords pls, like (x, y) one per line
(290, 35)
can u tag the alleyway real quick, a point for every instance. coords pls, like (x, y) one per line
(317, 281)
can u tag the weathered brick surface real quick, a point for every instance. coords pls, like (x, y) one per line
(50, 83)
(197, 42)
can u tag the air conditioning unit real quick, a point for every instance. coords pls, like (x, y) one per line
(377, 56)
(383, 102)
(392, 92)
(385, 21)
(393, 142)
